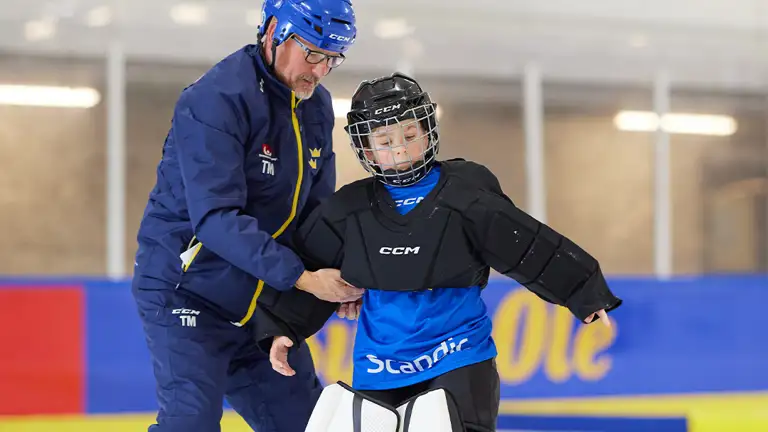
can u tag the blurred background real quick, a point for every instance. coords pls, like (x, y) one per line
(637, 129)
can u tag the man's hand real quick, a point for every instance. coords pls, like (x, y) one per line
(327, 284)
(349, 310)
(603, 317)
(278, 355)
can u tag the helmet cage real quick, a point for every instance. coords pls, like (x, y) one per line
(362, 128)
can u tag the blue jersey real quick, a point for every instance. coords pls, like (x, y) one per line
(404, 338)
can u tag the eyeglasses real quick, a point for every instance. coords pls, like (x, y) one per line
(315, 57)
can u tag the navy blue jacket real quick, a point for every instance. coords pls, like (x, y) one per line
(243, 161)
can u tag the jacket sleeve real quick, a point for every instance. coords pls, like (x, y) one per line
(544, 261)
(295, 313)
(209, 131)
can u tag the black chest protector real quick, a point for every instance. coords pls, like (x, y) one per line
(451, 239)
(423, 249)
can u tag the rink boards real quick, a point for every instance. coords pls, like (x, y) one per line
(684, 355)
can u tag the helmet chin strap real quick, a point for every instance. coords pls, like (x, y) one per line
(412, 175)
(274, 56)
(271, 64)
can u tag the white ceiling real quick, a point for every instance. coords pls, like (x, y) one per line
(719, 44)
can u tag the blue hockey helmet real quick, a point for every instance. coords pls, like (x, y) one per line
(327, 24)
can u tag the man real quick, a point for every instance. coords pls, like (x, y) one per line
(248, 154)
(421, 237)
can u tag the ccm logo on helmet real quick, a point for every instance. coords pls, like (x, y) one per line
(341, 38)
(386, 250)
(387, 109)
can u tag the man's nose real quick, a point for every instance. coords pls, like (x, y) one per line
(320, 69)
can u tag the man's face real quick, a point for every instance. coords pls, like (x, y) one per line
(292, 67)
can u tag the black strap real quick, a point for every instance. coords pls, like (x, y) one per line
(357, 413)
(408, 411)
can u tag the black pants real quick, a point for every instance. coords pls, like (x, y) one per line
(475, 389)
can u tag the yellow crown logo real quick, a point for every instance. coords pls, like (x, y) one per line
(315, 152)
(313, 163)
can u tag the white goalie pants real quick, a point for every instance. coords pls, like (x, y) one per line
(342, 409)
(464, 399)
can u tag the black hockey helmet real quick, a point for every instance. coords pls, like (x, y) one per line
(393, 101)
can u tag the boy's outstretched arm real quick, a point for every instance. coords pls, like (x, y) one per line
(550, 265)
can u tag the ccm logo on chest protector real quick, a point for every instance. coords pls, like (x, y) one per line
(387, 109)
(408, 201)
(400, 250)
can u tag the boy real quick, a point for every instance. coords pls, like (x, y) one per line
(421, 237)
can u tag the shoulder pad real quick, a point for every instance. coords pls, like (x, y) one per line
(351, 198)
(473, 173)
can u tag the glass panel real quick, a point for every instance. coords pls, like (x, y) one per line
(51, 184)
(599, 178)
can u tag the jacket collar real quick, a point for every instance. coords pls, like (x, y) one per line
(271, 82)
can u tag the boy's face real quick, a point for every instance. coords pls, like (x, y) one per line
(398, 146)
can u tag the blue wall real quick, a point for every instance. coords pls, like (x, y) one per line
(688, 335)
